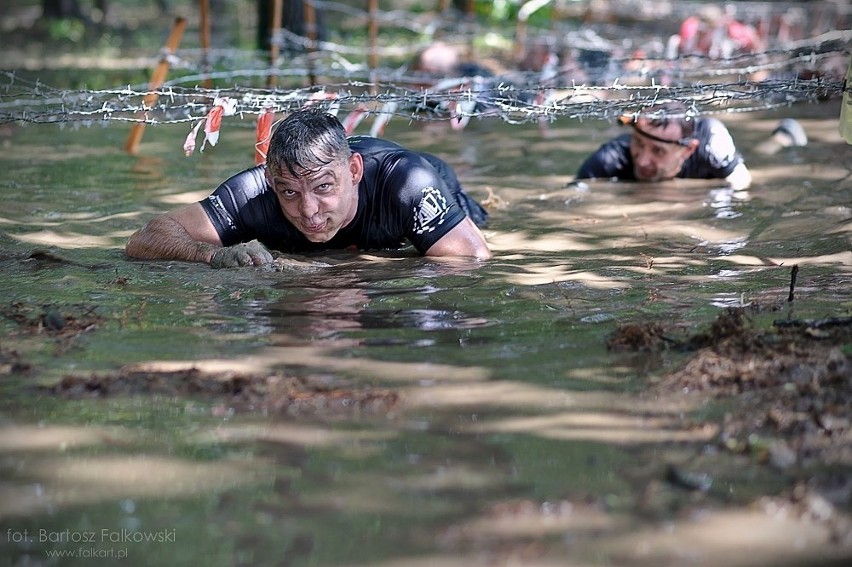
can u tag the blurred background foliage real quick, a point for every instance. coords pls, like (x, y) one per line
(97, 43)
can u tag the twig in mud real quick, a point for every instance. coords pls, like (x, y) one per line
(794, 271)
(688, 481)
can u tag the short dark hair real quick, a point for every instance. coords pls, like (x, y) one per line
(305, 141)
(663, 114)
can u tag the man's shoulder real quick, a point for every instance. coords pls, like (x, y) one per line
(370, 145)
(609, 159)
(612, 148)
(708, 125)
(716, 150)
(250, 181)
(620, 141)
(254, 173)
(388, 165)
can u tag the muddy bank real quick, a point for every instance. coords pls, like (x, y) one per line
(789, 386)
(318, 396)
(786, 390)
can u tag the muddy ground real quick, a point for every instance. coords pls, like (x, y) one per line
(788, 390)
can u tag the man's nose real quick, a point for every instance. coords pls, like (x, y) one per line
(643, 158)
(308, 206)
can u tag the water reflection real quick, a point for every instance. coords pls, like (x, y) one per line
(328, 308)
(727, 300)
(730, 246)
(725, 200)
(316, 315)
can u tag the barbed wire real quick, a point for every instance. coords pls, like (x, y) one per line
(800, 71)
(508, 99)
(511, 103)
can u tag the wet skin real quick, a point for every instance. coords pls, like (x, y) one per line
(322, 201)
(656, 160)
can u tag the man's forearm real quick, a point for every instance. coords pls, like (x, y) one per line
(163, 238)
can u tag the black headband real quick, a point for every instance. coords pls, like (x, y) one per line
(630, 120)
(680, 142)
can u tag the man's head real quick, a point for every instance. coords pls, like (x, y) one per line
(314, 174)
(661, 142)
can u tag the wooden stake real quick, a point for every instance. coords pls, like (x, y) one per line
(470, 17)
(274, 45)
(204, 26)
(311, 29)
(520, 47)
(158, 77)
(794, 271)
(372, 8)
(527, 9)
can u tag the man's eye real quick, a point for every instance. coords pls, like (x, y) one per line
(286, 193)
(324, 188)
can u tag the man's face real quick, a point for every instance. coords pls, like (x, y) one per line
(321, 202)
(655, 160)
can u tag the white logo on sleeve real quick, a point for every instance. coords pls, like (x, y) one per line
(223, 212)
(720, 147)
(430, 211)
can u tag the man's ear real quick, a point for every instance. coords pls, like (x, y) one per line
(692, 146)
(356, 167)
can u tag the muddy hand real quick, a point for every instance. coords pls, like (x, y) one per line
(245, 254)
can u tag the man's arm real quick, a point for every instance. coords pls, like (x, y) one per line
(739, 178)
(612, 159)
(716, 154)
(465, 239)
(186, 234)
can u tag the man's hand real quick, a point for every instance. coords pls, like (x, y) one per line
(245, 254)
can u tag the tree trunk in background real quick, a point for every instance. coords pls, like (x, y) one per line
(292, 19)
(222, 30)
(466, 7)
(57, 9)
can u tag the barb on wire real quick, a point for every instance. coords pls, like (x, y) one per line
(599, 90)
(483, 98)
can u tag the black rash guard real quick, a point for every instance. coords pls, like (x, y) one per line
(715, 158)
(403, 195)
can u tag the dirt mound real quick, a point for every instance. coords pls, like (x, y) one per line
(276, 393)
(788, 394)
(793, 380)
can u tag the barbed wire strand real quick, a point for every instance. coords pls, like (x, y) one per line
(792, 74)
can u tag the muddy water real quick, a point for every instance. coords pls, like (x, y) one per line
(516, 437)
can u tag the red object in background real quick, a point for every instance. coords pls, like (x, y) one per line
(264, 132)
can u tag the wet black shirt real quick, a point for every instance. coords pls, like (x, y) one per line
(715, 158)
(403, 196)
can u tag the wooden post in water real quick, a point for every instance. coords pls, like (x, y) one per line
(470, 18)
(311, 29)
(524, 13)
(373, 8)
(204, 29)
(158, 77)
(373, 35)
(274, 44)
